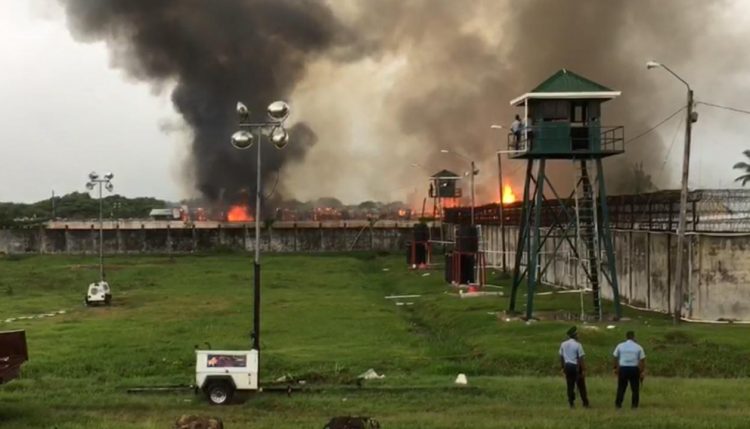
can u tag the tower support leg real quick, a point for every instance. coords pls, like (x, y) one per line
(523, 233)
(606, 238)
(533, 253)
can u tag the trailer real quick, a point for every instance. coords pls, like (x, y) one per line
(13, 354)
(220, 373)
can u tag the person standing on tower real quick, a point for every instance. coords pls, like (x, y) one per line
(515, 128)
(572, 365)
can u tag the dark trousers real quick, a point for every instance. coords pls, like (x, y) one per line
(574, 378)
(631, 375)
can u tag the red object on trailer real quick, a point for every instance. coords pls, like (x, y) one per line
(13, 353)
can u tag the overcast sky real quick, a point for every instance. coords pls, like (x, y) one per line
(64, 112)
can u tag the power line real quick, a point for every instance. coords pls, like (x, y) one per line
(718, 106)
(656, 126)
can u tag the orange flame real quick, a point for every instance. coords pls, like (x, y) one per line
(239, 213)
(508, 196)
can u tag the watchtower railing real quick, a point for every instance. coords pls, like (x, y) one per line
(566, 139)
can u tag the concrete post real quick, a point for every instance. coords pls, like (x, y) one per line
(320, 230)
(245, 238)
(169, 240)
(42, 241)
(144, 245)
(118, 236)
(194, 238)
(295, 236)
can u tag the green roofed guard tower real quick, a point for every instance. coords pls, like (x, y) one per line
(562, 121)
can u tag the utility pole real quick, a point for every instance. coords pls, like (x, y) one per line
(473, 173)
(678, 298)
(691, 117)
(502, 206)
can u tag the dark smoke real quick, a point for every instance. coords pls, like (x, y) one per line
(460, 81)
(464, 60)
(216, 52)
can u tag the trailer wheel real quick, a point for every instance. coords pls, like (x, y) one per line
(108, 300)
(219, 393)
(86, 301)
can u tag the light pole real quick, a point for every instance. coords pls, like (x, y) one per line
(473, 173)
(691, 117)
(502, 204)
(105, 181)
(243, 139)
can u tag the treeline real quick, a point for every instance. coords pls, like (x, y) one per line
(76, 205)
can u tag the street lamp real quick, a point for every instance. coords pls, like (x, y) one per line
(243, 139)
(473, 173)
(101, 292)
(691, 117)
(502, 203)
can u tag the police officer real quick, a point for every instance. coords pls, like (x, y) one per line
(630, 368)
(572, 365)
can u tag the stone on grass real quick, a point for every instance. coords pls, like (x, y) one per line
(198, 422)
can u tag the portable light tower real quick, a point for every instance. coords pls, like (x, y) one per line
(562, 123)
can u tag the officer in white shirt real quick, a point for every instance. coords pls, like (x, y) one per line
(630, 368)
(572, 364)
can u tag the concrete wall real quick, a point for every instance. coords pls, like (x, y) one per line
(169, 237)
(717, 270)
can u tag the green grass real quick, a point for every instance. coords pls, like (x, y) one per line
(325, 320)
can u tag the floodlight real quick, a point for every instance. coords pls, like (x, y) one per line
(93, 175)
(90, 186)
(278, 111)
(242, 139)
(109, 186)
(242, 111)
(279, 137)
(652, 65)
(109, 176)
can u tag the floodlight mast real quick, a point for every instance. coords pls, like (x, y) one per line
(274, 128)
(106, 182)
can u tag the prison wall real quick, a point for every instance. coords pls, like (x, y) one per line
(162, 237)
(716, 269)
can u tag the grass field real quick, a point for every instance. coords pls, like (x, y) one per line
(325, 320)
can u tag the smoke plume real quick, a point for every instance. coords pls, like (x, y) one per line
(215, 53)
(382, 84)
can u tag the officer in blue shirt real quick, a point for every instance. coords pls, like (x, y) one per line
(630, 368)
(572, 365)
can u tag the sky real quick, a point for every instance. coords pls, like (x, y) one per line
(64, 111)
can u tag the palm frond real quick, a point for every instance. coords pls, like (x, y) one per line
(744, 179)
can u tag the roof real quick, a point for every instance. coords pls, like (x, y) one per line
(566, 84)
(161, 212)
(445, 174)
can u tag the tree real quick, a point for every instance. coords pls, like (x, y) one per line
(745, 167)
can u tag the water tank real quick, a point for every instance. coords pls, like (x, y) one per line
(421, 232)
(449, 267)
(467, 239)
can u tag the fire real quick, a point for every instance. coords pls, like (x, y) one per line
(508, 196)
(239, 213)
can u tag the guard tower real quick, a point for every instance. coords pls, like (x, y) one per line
(444, 191)
(563, 124)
